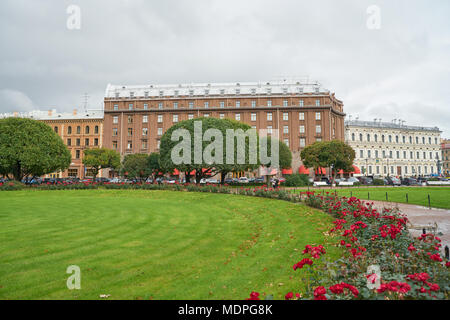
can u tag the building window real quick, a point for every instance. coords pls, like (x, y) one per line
(369, 154)
(396, 139)
(238, 104)
(353, 137)
(69, 142)
(222, 104)
(115, 145)
(130, 119)
(285, 103)
(206, 115)
(269, 129)
(116, 107)
(77, 154)
(96, 129)
(269, 116)
(382, 138)
(130, 106)
(96, 142)
(160, 131)
(286, 142)
(160, 118)
(238, 116)
(78, 142)
(115, 119)
(302, 129)
(144, 144)
(175, 105)
(72, 173)
(253, 104)
(160, 106)
(206, 105)
(191, 105)
(286, 129)
(175, 118)
(78, 130)
(317, 103)
(86, 142)
(368, 137)
(69, 130)
(190, 116)
(301, 116)
(130, 145)
(144, 131)
(269, 103)
(319, 129)
(145, 106)
(361, 154)
(130, 131)
(114, 132)
(302, 142)
(253, 117)
(158, 144)
(221, 116)
(285, 116)
(145, 119)
(86, 130)
(390, 139)
(376, 138)
(318, 116)
(302, 103)
(318, 139)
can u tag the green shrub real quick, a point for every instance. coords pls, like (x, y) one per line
(296, 180)
(378, 182)
(11, 186)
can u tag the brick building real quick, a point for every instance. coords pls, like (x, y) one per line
(445, 150)
(135, 117)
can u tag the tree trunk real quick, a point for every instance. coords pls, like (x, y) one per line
(222, 177)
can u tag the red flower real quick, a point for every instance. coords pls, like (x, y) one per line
(254, 296)
(289, 296)
(300, 264)
(320, 291)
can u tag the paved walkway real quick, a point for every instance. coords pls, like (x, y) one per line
(422, 216)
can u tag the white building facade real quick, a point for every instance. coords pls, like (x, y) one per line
(391, 149)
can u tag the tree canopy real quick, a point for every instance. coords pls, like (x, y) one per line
(336, 154)
(101, 158)
(30, 148)
(136, 166)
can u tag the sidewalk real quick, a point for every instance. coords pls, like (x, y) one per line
(422, 216)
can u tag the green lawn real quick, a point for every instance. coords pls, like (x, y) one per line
(439, 196)
(134, 244)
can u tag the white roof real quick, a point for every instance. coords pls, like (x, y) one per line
(53, 115)
(277, 87)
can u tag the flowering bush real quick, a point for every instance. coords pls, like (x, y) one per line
(410, 268)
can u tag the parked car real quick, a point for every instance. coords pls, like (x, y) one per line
(259, 180)
(326, 180)
(393, 181)
(243, 180)
(228, 180)
(409, 182)
(251, 180)
(115, 180)
(212, 181)
(352, 179)
(365, 180)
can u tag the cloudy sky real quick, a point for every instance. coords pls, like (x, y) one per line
(401, 70)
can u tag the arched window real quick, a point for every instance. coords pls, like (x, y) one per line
(368, 137)
(69, 130)
(78, 129)
(56, 129)
(410, 139)
(96, 129)
(86, 130)
(360, 137)
(353, 137)
(376, 138)
(390, 138)
(382, 138)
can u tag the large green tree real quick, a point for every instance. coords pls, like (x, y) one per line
(136, 166)
(335, 154)
(30, 148)
(208, 144)
(284, 154)
(101, 158)
(153, 164)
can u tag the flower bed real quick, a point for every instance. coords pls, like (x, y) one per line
(409, 268)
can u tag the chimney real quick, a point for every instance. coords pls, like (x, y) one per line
(75, 112)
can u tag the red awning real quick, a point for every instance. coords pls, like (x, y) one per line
(356, 170)
(175, 172)
(203, 170)
(303, 170)
(286, 171)
(320, 171)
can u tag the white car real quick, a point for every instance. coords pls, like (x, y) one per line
(243, 180)
(115, 180)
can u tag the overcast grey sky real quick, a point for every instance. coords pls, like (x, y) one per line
(401, 70)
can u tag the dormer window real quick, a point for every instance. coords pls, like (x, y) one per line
(161, 93)
(238, 91)
(253, 91)
(117, 95)
(191, 92)
(300, 90)
(146, 94)
(206, 92)
(131, 94)
(222, 91)
(285, 90)
(269, 90)
(176, 93)
(317, 89)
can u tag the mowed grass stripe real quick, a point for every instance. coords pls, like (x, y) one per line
(152, 244)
